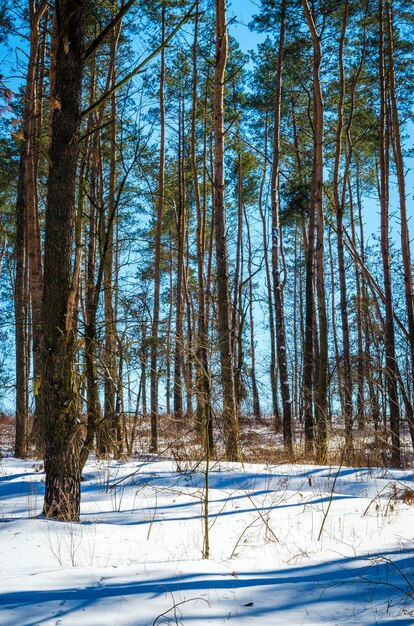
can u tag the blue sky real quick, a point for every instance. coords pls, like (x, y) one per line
(244, 10)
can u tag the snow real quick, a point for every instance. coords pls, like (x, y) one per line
(137, 552)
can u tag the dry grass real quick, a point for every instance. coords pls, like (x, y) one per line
(181, 441)
(7, 432)
(407, 497)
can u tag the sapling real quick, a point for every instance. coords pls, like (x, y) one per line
(206, 538)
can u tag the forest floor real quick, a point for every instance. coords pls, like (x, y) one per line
(289, 544)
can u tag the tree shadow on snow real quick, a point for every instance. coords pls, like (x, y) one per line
(328, 589)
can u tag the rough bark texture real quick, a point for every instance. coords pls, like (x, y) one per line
(59, 382)
(231, 428)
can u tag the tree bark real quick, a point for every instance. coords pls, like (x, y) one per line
(180, 229)
(112, 418)
(60, 400)
(20, 447)
(317, 204)
(390, 358)
(339, 209)
(231, 427)
(157, 260)
(28, 245)
(276, 246)
(204, 417)
(405, 234)
(253, 378)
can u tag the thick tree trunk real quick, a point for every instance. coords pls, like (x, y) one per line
(231, 427)
(60, 400)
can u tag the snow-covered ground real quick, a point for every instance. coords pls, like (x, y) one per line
(136, 557)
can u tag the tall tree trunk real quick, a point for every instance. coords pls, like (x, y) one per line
(189, 344)
(144, 360)
(308, 348)
(157, 260)
(339, 209)
(21, 443)
(255, 391)
(360, 408)
(334, 331)
(317, 202)
(297, 282)
(307, 320)
(180, 228)
(273, 367)
(204, 417)
(276, 235)
(100, 230)
(28, 244)
(95, 423)
(34, 245)
(111, 416)
(236, 313)
(169, 324)
(405, 234)
(60, 400)
(391, 363)
(231, 427)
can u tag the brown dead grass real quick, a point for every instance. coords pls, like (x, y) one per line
(181, 441)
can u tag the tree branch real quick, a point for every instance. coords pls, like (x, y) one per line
(141, 65)
(105, 32)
